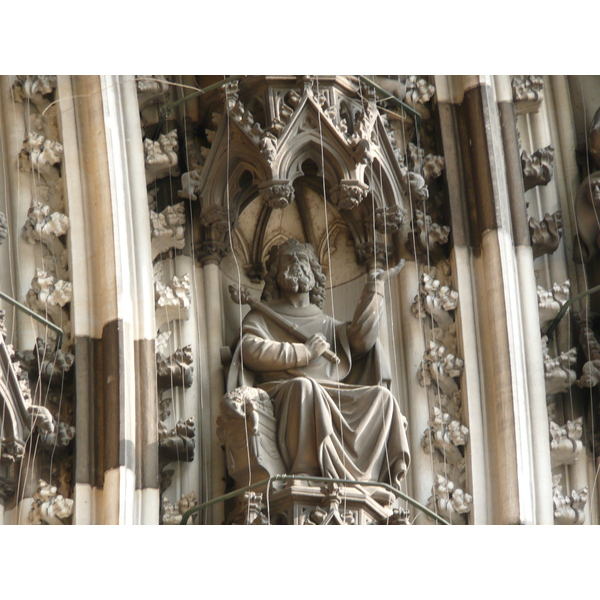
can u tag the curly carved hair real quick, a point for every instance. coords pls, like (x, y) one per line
(271, 290)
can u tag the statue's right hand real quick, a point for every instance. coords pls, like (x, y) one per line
(316, 345)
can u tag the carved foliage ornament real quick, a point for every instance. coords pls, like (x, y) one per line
(546, 234)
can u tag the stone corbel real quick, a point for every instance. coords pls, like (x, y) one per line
(175, 370)
(559, 376)
(448, 501)
(46, 227)
(446, 434)
(177, 444)
(348, 194)
(61, 437)
(551, 301)
(440, 367)
(546, 234)
(172, 301)
(34, 88)
(41, 154)
(436, 300)
(566, 445)
(45, 362)
(418, 93)
(537, 167)
(48, 297)
(528, 94)
(590, 375)
(167, 229)
(568, 510)
(216, 223)
(277, 193)
(426, 236)
(161, 157)
(173, 514)
(151, 89)
(389, 219)
(49, 507)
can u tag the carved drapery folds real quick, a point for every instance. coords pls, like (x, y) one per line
(528, 93)
(537, 167)
(587, 204)
(546, 234)
(568, 510)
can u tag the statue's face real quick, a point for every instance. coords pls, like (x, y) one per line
(295, 273)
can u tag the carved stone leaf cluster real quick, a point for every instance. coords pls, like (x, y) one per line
(528, 93)
(167, 229)
(49, 507)
(546, 234)
(568, 510)
(172, 300)
(551, 301)
(537, 167)
(172, 514)
(449, 501)
(557, 370)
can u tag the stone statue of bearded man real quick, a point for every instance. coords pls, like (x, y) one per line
(333, 420)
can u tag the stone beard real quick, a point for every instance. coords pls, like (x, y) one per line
(338, 421)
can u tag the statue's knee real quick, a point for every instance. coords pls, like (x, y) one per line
(301, 390)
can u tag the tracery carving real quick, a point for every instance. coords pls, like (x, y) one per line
(167, 229)
(537, 167)
(568, 510)
(161, 157)
(551, 301)
(449, 501)
(528, 93)
(49, 507)
(566, 445)
(559, 376)
(172, 514)
(546, 234)
(172, 300)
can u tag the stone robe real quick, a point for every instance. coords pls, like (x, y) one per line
(337, 421)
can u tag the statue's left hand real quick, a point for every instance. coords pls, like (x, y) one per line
(383, 275)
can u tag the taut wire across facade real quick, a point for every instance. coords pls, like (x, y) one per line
(301, 300)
